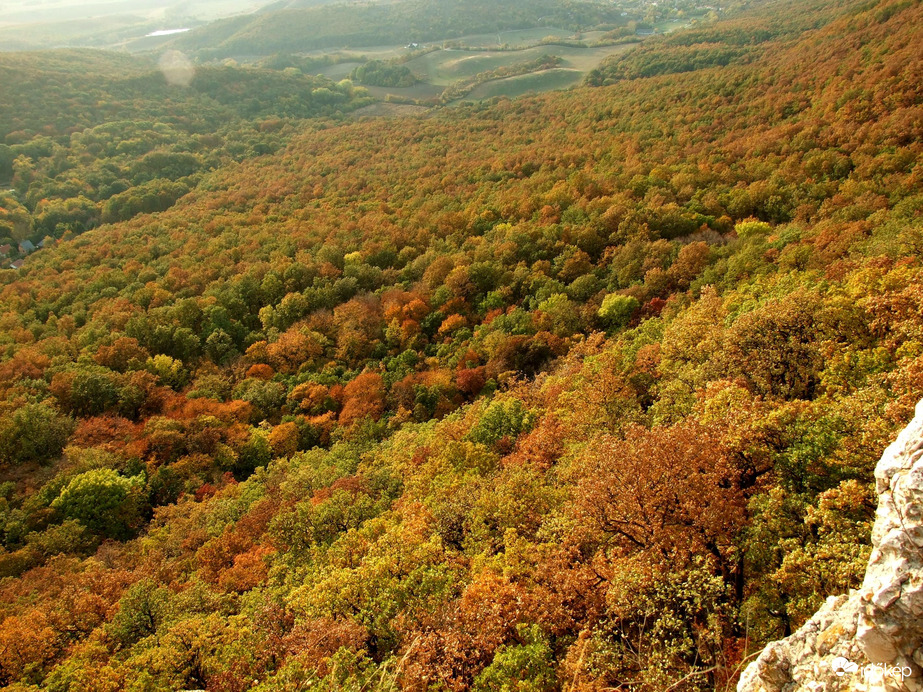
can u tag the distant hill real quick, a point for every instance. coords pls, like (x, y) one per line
(294, 28)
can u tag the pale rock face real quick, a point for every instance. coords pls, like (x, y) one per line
(878, 629)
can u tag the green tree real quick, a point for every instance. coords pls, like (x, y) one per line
(35, 432)
(508, 418)
(617, 310)
(141, 610)
(528, 667)
(103, 501)
(169, 371)
(266, 397)
(560, 315)
(6, 163)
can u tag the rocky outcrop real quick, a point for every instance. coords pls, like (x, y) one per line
(871, 639)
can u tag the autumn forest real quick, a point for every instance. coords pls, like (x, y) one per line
(576, 391)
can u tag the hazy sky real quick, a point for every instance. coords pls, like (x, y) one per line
(23, 12)
(50, 23)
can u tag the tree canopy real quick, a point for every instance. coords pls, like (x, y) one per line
(576, 391)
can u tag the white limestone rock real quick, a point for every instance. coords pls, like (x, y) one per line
(878, 629)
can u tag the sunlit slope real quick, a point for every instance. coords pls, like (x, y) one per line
(722, 112)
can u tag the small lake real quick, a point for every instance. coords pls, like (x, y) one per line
(166, 32)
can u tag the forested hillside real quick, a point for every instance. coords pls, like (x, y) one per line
(575, 392)
(92, 137)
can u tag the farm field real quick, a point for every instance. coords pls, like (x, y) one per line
(511, 87)
(445, 67)
(439, 69)
(418, 92)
